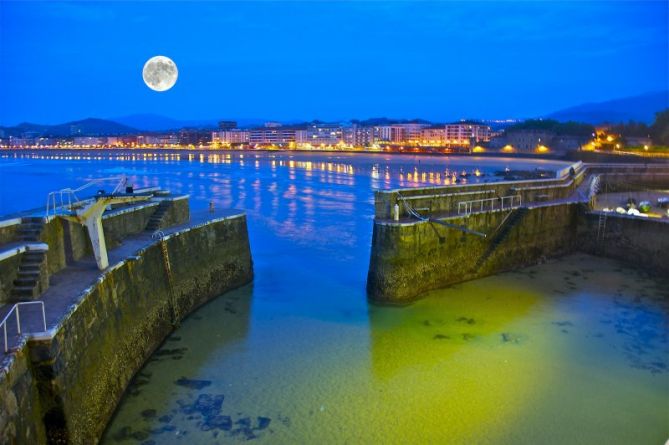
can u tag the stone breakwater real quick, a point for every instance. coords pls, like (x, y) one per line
(411, 255)
(64, 386)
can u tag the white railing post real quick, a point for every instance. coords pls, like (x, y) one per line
(4, 325)
(18, 320)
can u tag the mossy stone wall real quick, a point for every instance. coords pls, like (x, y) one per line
(110, 334)
(20, 410)
(9, 268)
(408, 260)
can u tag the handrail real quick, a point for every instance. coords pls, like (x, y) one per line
(15, 309)
(69, 195)
(487, 204)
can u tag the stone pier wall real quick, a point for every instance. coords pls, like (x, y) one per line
(84, 368)
(20, 411)
(641, 242)
(409, 259)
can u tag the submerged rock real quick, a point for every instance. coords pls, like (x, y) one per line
(148, 413)
(192, 383)
(440, 337)
(263, 422)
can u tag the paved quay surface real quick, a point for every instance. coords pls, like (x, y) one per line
(66, 286)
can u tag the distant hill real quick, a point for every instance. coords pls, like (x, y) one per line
(156, 122)
(640, 108)
(85, 127)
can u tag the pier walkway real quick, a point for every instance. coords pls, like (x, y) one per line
(68, 285)
(439, 204)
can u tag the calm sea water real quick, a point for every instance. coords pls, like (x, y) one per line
(572, 351)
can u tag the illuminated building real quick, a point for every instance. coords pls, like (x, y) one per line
(230, 137)
(435, 135)
(320, 134)
(406, 132)
(272, 135)
(360, 136)
(463, 133)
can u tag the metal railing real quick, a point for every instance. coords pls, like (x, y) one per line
(15, 309)
(67, 198)
(466, 208)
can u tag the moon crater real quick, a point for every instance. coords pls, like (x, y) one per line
(160, 73)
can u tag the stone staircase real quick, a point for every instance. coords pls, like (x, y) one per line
(30, 229)
(28, 283)
(501, 233)
(156, 220)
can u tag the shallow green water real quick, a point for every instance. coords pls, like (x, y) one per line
(572, 351)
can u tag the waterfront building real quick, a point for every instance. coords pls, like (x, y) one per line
(233, 136)
(529, 140)
(88, 141)
(21, 142)
(360, 136)
(402, 133)
(464, 133)
(272, 135)
(194, 137)
(319, 134)
(433, 136)
(159, 140)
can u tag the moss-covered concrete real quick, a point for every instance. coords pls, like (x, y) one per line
(640, 242)
(108, 336)
(124, 222)
(9, 232)
(408, 260)
(9, 268)
(20, 410)
(178, 212)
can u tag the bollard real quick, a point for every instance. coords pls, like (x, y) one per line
(396, 212)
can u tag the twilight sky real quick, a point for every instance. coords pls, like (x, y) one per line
(446, 60)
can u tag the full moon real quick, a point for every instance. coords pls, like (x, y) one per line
(160, 73)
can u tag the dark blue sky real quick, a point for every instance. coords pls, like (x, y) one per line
(294, 60)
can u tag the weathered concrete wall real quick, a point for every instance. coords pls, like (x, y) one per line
(408, 260)
(177, 213)
(9, 268)
(20, 420)
(640, 242)
(445, 199)
(68, 241)
(126, 315)
(9, 230)
(125, 222)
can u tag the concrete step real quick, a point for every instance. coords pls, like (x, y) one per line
(24, 291)
(30, 228)
(25, 282)
(31, 261)
(33, 267)
(34, 274)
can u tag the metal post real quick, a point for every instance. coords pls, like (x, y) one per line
(18, 320)
(5, 326)
(43, 317)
